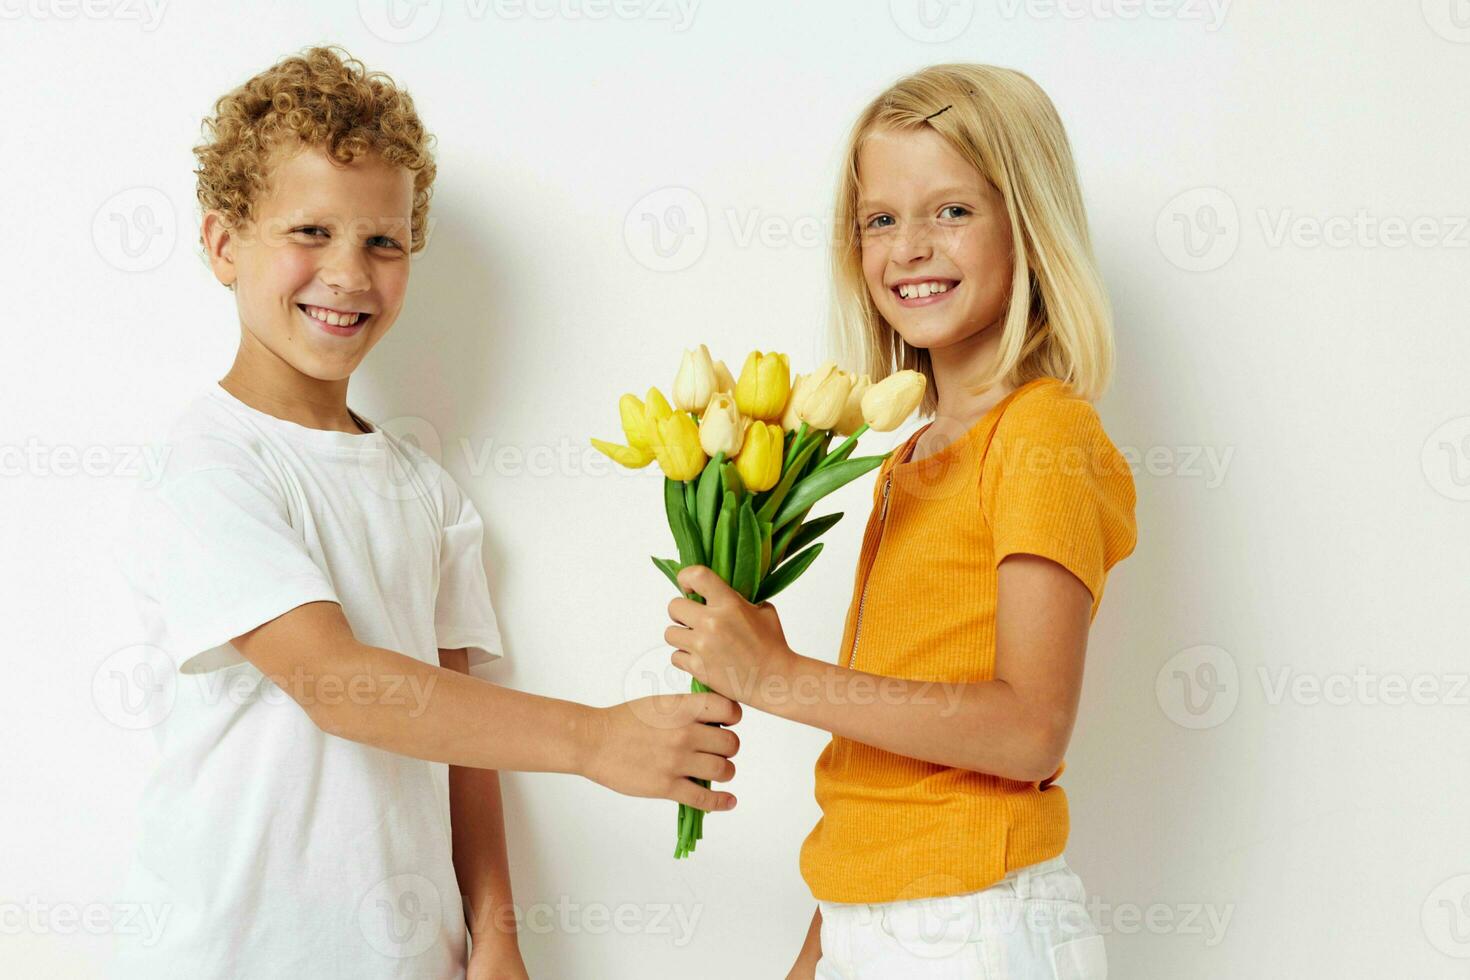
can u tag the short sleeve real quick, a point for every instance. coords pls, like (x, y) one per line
(1054, 485)
(211, 555)
(463, 615)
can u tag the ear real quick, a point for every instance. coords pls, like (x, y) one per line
(219, 246)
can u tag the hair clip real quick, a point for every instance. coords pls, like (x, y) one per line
(933, 114)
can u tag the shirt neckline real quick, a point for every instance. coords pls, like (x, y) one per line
(906, 450)
(305, 435)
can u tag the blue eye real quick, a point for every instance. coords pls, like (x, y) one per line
(873, 222)
(383, 241)
(955, 207)
(308, 229)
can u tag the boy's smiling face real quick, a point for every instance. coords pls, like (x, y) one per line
(935, 237)
(321, 271)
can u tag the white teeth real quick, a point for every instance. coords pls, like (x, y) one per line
(332, 318)
(919, 290)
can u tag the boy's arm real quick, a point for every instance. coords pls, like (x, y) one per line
(481, 863)
(652, 747)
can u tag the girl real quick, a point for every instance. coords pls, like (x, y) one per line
(963, 253)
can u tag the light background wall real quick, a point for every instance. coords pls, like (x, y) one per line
(1268, 772)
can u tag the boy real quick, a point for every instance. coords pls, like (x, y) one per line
(292, 546)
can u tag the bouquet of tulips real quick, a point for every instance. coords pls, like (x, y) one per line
(745, 461)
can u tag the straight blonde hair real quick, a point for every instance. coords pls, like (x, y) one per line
(1058, 322)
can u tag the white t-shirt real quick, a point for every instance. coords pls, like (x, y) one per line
(270, 849)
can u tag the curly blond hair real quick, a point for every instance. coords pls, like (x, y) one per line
(324, 98)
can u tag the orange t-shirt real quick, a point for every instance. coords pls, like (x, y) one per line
(1037, 475)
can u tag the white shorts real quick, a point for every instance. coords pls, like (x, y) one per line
(1031, 925)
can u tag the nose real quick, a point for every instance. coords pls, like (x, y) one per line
(915, 243)
(345, 269)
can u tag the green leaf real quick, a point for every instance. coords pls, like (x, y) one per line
(772, 501)
(788, 573)
(821, 483)
(707, 502)
(670, 568)
(725, 525)
(832, 459)
(781, 542)
(795, 446)
(747, 552)
(689, 500)
(765, 566)
(843, 451)
(673, 501)
(818, 456)
(730, 478)
(810, 531)
(686, 532)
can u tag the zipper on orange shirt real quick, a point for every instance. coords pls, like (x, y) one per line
(863, 596)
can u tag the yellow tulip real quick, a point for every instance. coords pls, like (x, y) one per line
(827, 397)
(724, 380)
(695, 381)
(635, 424)
(852, 412)
(655, 406)
(638, 453)
(889, 402)
(677, 447)
(790, 421)
(720, 428)
(759, 462)
(629, 456)
(764, 383)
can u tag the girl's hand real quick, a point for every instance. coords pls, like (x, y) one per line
(496, 960)
(729, 645)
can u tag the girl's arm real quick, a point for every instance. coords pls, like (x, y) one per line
(481, 862)
(805, 967)
(1016, 726)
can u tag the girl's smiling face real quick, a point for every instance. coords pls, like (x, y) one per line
(935, 238)
(321, 271)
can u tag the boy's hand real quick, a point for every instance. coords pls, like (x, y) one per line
(496, 962)
(728, 644)
(657, 746)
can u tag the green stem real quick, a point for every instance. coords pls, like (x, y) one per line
(836, 453)
(794, 448)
